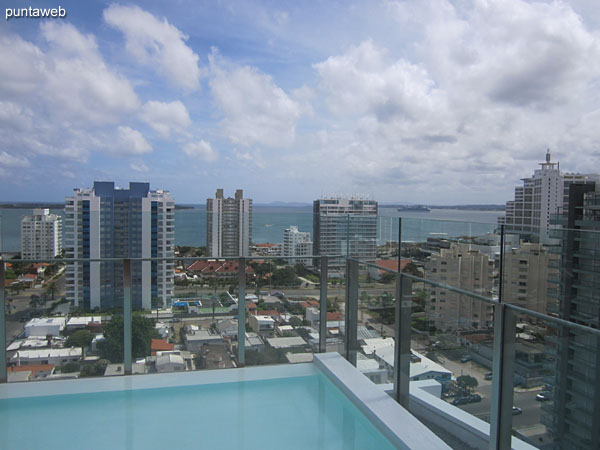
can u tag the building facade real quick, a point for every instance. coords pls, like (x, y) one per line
(345, 227)
(526, 271)
(109, 222)
(538, 199)
(574, 414)
(228, 225)
(41, 235)
(297, 243)
(462, 267)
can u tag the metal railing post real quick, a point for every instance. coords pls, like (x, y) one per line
(501, 265)
(351, 320)
(127, 350)
(241, 312)
(3, 374)
(503, 380)
(323, 306)
(402, 340)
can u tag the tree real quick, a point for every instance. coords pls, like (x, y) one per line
(467, 382)
(81, 338)
(52, 289)
(35, 302)
(142, 333)
(295, 322)
(285, 277)
(388, 277)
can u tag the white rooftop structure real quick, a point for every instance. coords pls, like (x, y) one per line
(56, 356)
(82, 322)
(297, 358)
(286, 342)
(45, 326)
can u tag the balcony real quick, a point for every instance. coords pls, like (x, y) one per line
(375, 341)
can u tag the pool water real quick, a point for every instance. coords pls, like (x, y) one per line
(305, 412)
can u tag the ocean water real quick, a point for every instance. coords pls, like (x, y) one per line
(306, 412)
(270, 222)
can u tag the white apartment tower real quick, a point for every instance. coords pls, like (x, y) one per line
(41, 235)
(228, 225)
(297, 243)
(109, 222)
(540, 197)
(462, 267)
(345, 227)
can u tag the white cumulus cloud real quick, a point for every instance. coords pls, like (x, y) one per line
(201, 149)
(164, 117)
(255, 109)
(156, 43)
(131, 142)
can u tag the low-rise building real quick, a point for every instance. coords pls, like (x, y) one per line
(254, 342)
(56, 356)
(261, 324)
(79, 323)
(286, 342)
(195, 338)
(45, 326)
(170, 363)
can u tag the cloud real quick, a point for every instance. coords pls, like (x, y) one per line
(139, 166)
(256, 111)
(200, 149)
(7, 160)
(131, 142)
(78, 82)
(157, 44)
(164, 117)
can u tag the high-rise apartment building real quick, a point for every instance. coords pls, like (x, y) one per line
(228, 225)
(109, 222)
(41, 235)
(462, 267)
(574, 414)
(297, 243)
(345, 227)
(540, 197)
(526, 271)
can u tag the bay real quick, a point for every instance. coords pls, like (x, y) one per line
(269, 223)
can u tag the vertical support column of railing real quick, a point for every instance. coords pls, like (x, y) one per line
(127, 315)
(351, 320)
(3, 375)
(501, 265)
(503, 381)
(402, 343)
(241, 312)
(323, 306)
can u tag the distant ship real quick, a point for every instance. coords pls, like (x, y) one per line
(415, 208)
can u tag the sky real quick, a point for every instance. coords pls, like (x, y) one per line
(424, 101)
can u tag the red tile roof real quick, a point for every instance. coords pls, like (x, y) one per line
(266, 245)
(392, 264)
(161, 345)
(333, 316)
(33, 367)
(217, 267)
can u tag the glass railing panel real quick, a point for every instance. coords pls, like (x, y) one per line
(557, 409)
(283, 311)
(376, 325)
(452, 349)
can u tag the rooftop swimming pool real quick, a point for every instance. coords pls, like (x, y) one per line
(289, 407)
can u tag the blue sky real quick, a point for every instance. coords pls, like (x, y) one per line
(429, 101)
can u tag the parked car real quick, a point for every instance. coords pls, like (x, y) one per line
(460, 401)
(465, 359)
(488, 376)
(474, 398)
(543, 396)
(516, 411)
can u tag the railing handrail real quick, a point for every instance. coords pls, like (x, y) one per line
(161, 258)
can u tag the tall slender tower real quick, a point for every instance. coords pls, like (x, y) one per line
(108, 222)
(228, 225)
(538, 199)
